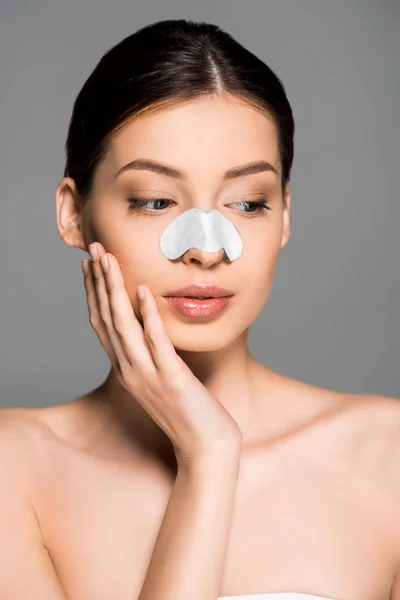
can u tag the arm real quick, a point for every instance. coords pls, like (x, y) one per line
(190, 550)
(390, 465)
(189, 553)
(395, 591)
(26, 570)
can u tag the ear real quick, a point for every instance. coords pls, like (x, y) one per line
(70, 214)
(286, 216)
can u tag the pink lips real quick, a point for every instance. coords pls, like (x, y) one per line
(203, 290)
(193, 308)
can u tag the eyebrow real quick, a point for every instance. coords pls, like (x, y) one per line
(156, 167)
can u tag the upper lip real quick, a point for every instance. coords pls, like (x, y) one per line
(201, 289)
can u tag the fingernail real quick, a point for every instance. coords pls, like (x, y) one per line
(104, 263)
(85, 266)
(141, 293)
(93, 251)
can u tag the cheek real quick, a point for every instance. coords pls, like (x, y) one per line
(258, 269)
(260, 254)
(256, 283)
(141, 261)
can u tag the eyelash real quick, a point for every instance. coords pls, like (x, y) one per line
(136, 203)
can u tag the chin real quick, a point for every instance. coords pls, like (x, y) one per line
(196, 347)
(201, 339)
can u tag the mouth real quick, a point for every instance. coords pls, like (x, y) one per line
(198, 297)
(198, 307)
(200, 291)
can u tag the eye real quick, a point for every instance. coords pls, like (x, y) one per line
(137, 204)
(260, 206)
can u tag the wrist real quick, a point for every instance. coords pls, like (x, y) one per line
(221, 459)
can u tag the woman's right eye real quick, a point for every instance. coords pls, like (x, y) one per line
(137, 203)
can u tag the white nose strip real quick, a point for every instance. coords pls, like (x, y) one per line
(207, 231)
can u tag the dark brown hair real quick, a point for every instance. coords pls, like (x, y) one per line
(162, 64)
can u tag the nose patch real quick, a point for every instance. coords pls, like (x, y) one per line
(208, 231)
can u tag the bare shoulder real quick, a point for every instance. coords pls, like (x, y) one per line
(386, 411)
(20, 444)
(42, 427)
(365, 427)
(21, 436)
(389, 409)
(375, 424)
(18, 427)
(383, 415)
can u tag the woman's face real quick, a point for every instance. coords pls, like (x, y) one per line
(203, 139)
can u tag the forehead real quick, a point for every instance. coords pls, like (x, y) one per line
(212, 132)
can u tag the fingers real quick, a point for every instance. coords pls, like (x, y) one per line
(94, 314)
(148, 347)
(161, 347)
(114, 307)
(106, 317)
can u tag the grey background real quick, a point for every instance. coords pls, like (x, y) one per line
(333, 316)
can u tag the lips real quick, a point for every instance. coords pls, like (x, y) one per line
(198, 309)
(200, 291)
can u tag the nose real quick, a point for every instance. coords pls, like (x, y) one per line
(207, 259)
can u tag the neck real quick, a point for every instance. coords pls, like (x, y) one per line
(231, 374)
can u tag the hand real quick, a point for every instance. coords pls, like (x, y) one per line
(148, 366)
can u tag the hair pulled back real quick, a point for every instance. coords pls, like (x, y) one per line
(161, 65)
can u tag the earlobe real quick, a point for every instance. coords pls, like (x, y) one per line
(69, 214)
(285, 236)
(286, 217)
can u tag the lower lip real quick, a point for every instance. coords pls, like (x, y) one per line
(190, 307)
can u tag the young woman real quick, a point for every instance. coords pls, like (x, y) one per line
(193, 472)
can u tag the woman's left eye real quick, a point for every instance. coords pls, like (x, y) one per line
(137, 203)
(260, 205)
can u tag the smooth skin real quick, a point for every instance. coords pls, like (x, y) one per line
(149, 369)
(93, 505)
(206, 439)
